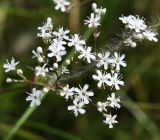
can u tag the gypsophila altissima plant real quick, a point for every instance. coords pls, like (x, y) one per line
(62, 49)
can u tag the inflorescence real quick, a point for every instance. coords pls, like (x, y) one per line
(108, 64)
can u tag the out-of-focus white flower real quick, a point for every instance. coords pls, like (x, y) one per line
(67, 92)
(130, 42)
(61, 34)
(134, 23)
(10, 66)
(85, 53)
(115, 81)
(93, 21)
(103, 60)
(126, 19)
(61, 4)
(34, 97)
(110, 120)
(150, 35)
(99, 11)
(46, 30)
(77, 42)
(114, 102)
(9, 80)
(77, 108)
(83, 95)
(41, 71)
(102, 78)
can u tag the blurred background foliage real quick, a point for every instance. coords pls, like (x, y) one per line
(139, 117)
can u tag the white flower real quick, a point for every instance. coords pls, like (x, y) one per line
(61, 4)
(67, 92)
(41, 71)
(75, 41)
(85, 53)
(126, 19)
(118, 61)
(138, 24)
(46, 30)
(130, 42)
(114, 102)
(98, 11)
(77, 108)
(114, 81)
(57, 49)
(10, 66)
(93, 21)
(61, 34)
(83, 95)
(102, 78)
(104, 60)
(110, 120)
(101, 106)
(134, 22)
(34, 97)
(150, 35)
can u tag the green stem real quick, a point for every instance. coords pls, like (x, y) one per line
(30, 110)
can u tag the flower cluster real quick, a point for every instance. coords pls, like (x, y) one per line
(80, 97)
(140, 30)
(112, 102)
(95, 18)
(52, 63)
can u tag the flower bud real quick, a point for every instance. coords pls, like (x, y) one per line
(55, 65)
(40, 59)
(8, 80)
(39, 50)
(19, 72)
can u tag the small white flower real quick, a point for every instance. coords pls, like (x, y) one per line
(150, 35)
(102, 78)
(85, 53)
(115, 81)
(138, 24)
(130, 42)
(110, 120)
(101, 106)
(57, 49)
(118, 61)
(61, 34)
(67, 92)
(77, 42)
(104, 60)
(114, 102)
(41, 71)
(126, 19)
(61, 4)
(77, 108)
(34, 97)
(93, 21)
(46, 30)
(134, 23)
(83, 95)
(99, 11)
(10, 66)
